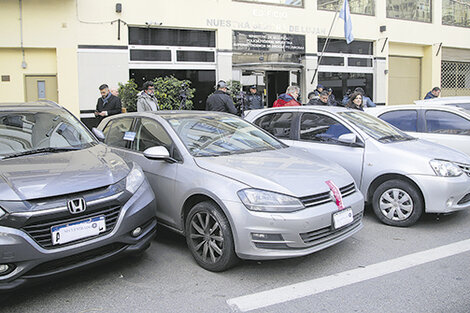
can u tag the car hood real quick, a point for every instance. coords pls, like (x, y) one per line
(53, 174)
(289, 171)
(430, 150)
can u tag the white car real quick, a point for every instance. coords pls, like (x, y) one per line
(447, 125)
(462, 102)
(401, 176)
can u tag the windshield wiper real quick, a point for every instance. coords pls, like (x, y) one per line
(36, 151)
(396, 137)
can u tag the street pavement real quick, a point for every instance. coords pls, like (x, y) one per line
(166, 278)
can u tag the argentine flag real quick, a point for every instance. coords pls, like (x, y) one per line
(345, 14)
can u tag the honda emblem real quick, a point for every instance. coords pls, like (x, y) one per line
(76, 206)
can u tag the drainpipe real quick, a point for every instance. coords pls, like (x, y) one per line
(23, 64)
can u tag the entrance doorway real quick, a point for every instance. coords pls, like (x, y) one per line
(41, 87)
(276, 84)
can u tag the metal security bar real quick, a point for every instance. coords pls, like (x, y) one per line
(455, 78)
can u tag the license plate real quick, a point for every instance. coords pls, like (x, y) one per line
(342, 218)
(78, 230)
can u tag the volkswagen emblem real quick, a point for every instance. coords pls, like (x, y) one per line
(76, 206)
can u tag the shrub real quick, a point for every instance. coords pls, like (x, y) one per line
(168, 91)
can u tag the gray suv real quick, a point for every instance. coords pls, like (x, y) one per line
(66, 201)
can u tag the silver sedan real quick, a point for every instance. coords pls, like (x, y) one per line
(233, 190)
(400, 175)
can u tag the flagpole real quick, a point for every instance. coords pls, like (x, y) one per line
(326, 42)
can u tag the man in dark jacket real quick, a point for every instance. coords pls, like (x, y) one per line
(220, 101)
(108, 104)
(254, 100)
(434, 93)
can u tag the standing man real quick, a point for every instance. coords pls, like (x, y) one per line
(146, 100)
(331, 97)
(434, 93)
(107, 104)
(322, 100)
(220, 101)
(254, 100)
(319, 90)
(288, 99)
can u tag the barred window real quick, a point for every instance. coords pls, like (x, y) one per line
(413, 10)
(455, 78)
(366, 7)
(456, 12)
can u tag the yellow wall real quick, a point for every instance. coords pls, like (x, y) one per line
(39, 61)
(50, 41)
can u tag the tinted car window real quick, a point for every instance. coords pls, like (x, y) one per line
(405, 120)
(278, 124)
(321, 128)
(118, 132)
(150, 133)
(446, 123)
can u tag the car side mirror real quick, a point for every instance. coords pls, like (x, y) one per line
(99, 134)
(158, 153)
(350, 139)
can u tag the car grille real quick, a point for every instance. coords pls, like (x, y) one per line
(40, 231)
(82, 258)
(324, 197)
(464, 167)
(325, 234)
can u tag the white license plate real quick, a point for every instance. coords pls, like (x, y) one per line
(342, 218)
(77, 230)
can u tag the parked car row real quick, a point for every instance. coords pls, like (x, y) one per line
(292, 183)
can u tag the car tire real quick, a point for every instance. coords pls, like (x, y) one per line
(398, 203)
(209, 237)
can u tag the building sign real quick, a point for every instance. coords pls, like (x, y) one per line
(267, 42)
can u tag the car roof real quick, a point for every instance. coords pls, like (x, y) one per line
(445, 100)
(387, 108)
(326, 108)
(28, 106)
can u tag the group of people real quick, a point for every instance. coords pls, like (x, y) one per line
(355, 100)
(109, 103)
(321, 96)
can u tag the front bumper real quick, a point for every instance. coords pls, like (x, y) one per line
(32, 262)
(293, 234)
(444, 194)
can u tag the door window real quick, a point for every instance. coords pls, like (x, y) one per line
(278, 124)
(405, 120)
(446, 123)
(118, 132)
(150, 133)
(321, 128)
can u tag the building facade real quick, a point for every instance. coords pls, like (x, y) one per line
(63, 50)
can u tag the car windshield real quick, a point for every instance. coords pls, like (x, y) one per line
(213, 135)
(374, 127)
(23, 133)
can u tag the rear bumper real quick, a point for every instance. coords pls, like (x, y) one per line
(33, 263)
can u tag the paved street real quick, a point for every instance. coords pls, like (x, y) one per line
(166, 279)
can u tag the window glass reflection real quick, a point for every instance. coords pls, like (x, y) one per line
(413, 10)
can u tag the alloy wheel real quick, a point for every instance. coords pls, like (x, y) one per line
(206, 237)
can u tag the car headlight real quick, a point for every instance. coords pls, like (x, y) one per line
(445, 168)
(267, 201)
(134, 179)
